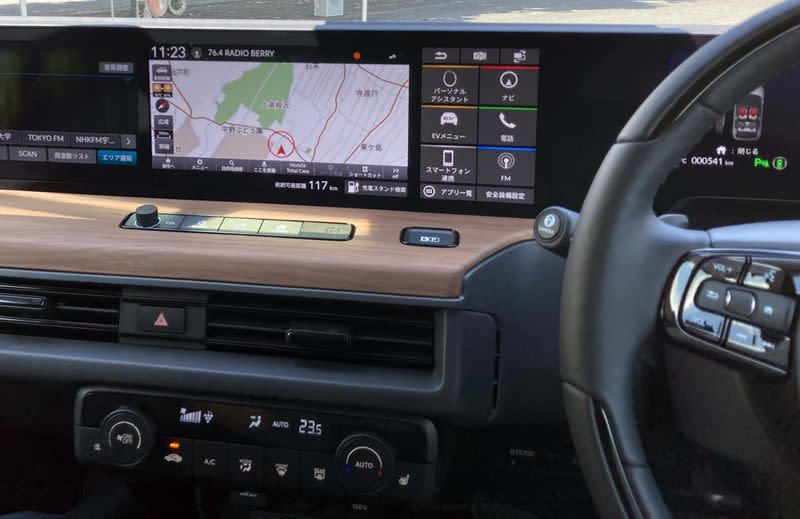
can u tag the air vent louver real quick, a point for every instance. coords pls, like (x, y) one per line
(332, 330)
(74, 311)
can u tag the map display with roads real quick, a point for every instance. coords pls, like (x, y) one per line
(310, 112)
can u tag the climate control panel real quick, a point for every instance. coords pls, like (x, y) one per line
(253, 446)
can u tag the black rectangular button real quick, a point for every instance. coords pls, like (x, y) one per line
(774, 311)
(88, 447)
(440, 55)
(480, 56)
(411, 481)
(424, 237)
(245, 463)
(210, 460)
(449, 124)
(444, 85)
(509, 86)
(282, 468)
(173, 456)
(510, 126)
(316, 472)
(711, 296)
(448, 164)
(498, 166)
(162, 319)
(519, 56)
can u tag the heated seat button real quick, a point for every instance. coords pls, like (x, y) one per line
(774, 311)
(711, 296)
(210, 460)
(411, 481)
(425, 237)
(740, 302)
(162, 319)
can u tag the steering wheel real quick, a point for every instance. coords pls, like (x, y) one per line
(622, 258)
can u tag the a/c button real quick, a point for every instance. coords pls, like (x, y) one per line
(210, 460)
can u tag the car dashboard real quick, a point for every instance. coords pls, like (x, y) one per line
(299, 260)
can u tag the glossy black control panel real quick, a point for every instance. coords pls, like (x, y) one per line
(255, 446)
(741, 303)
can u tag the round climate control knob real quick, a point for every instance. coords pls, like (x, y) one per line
(365, 462)
(147, 215)
(128, 436)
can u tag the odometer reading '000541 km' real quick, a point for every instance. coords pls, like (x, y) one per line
(343, 124)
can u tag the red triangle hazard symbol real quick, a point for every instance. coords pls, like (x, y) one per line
(281, 151)
(161, 321)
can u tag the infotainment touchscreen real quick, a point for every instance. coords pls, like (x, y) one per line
(310, 126)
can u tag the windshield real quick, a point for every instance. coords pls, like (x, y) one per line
(649, 12)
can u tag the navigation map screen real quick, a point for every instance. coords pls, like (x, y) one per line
(335, 127)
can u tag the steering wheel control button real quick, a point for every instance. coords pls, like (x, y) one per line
(740, 302)
(774, 311)
(725, 268)
(549, 225)
(365, 463)
(245, 464)
(703, 324)
(210, 460)
(426, 237)
(128, 436)
(712, 296)
(764, 276)
(282, 469)
(752, 341)
(162, 319)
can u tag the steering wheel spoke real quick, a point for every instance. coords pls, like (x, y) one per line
(736, 306)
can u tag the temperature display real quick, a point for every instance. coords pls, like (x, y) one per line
(309, 427)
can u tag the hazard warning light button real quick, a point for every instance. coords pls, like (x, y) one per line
(162, 319)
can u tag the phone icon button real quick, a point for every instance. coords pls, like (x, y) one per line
(505, 122)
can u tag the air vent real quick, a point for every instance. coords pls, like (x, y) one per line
(332, 330)
(74, 311)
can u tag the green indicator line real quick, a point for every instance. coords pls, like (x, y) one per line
(526, 108)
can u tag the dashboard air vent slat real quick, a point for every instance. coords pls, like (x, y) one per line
(74, 311)
(376, 334)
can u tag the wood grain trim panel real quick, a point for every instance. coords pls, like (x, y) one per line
(80, 233)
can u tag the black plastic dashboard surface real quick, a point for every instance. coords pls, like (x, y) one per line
(81, 103)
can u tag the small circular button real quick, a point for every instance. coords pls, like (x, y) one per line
(127, 435)
(365, 463)
(549, 225)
